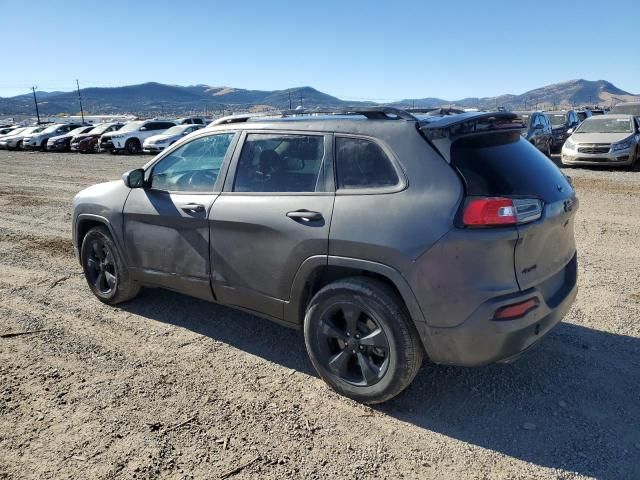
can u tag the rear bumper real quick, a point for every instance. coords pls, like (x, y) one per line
(480, 340)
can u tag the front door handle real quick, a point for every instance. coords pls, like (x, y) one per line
(304, 215)
(192, 208)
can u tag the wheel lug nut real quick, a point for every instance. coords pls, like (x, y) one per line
(361, 347)
(348, 334)
(353, 351)
(357, 336)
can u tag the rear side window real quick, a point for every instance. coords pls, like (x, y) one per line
(280, 163)
(501, 164)
(363, 164)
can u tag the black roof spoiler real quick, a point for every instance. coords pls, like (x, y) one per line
(443, 131)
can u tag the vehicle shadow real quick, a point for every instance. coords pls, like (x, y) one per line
(573, 403)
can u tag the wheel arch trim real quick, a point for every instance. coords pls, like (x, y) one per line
(312, 264)
(91, 217)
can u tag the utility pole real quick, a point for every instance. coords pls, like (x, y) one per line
(35, 100)
(290, 107)
(80, 98)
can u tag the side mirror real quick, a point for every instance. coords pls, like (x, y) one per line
(143, 129)
(570, 131)
(186, 133)
(134, 178)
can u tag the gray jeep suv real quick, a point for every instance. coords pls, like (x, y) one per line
(386, 237)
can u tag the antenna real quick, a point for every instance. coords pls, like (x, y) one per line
(80, 98)
(35, 100)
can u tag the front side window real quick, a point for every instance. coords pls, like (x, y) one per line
(193, 167)
(280, 163)
(362, 163)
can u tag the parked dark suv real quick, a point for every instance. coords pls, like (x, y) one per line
(537, 130)
(386, 237)
(562, 124)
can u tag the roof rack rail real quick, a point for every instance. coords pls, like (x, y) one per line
(371, 113)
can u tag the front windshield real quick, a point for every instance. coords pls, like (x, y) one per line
(632, 109)
(605, 125)
(51, 129)
(557, 120)
(37, 129)
(131, 127)
(77, 131)
(177, 130)
(100, 129)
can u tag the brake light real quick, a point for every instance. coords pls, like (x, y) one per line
(500, 211)
(517, 310)
(490, 211)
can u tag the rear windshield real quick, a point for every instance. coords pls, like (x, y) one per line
(503, 164)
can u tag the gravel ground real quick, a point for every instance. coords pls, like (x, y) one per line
(172, 387)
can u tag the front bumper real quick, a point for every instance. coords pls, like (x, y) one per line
(480, 340)
(153, 148)
(57, 147)
(30, 146)
(619, 157)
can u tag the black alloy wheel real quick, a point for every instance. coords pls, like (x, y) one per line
(101, 269)
(356, 349)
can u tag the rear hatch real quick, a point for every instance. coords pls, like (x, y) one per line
(495, 163)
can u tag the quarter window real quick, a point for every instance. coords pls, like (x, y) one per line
(362, 163)
(192, 167)
(280, 163)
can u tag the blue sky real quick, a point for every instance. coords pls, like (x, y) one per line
(375, 50)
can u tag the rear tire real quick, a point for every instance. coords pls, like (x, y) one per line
(361, 340)
(132, 146)
(105, 271)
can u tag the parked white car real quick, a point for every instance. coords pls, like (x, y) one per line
(38, 140)
(129, 139)
(13, 142)
(157, 143)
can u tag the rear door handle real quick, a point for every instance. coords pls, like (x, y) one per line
(304, 215)
(192, 208)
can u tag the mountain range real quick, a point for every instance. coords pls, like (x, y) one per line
(156, 99)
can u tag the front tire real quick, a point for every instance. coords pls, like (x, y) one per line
(361, 340)
(105, 272)
(132, 146)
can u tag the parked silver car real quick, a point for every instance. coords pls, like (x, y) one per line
(157, 143)
(606, 139)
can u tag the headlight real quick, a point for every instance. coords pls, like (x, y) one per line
(623, 145)
(117, 136)
(569, 145)
(162, 140)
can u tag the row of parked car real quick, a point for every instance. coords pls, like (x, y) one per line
(586, 137)
(150, 136)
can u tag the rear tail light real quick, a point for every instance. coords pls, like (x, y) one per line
(500, 211)
(516, 310)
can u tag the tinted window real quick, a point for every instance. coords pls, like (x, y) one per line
(280, 163)
(193, 167)
(363, 164)
(503, 164)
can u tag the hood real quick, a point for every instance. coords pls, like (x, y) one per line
(59, 137)
(599, 137)
(155, 138)
(84, 136)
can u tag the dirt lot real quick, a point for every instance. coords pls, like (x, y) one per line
(173, 387)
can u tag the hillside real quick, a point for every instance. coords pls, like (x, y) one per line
(159, 99)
